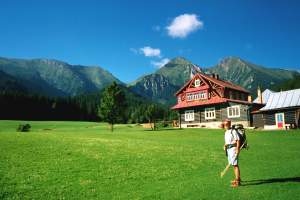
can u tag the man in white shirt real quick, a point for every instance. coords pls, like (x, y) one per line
(232, 148)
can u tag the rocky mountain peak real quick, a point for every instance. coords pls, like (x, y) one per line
(51, 61)
(179, 61)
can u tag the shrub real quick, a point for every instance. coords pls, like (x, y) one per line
(23, 128)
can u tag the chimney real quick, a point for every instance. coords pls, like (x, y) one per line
(249, 98)
(213, 75)
(259, 95)
(217, 76)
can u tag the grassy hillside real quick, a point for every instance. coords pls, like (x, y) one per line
(56, 78)
(78, 160)
(249, 75)
(9, 83)
(291, 84)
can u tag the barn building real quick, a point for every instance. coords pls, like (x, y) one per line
(278, 110)
(206, 101)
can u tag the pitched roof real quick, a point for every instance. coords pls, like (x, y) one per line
(265, 96)
(226, 84)
(220, 82)
(285, 99)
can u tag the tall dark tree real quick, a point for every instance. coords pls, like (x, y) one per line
(151, 113)
(113, 105)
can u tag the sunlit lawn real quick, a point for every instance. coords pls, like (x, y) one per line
(83, 160)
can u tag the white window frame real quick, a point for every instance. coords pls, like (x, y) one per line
(196, 96)
(189, 115)
(203, 95)
(210, 113)
(189, 97)
(235, 111)
(179, 99)
(197, 82)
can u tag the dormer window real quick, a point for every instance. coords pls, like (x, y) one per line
(197, 83)
(197, 96)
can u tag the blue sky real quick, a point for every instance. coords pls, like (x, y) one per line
(132, 38)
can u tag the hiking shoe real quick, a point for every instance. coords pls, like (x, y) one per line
(235, 180)
(235, 183)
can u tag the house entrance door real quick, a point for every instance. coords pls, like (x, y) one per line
(279, 117)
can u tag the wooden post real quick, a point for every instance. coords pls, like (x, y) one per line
(179, 118)
(297, 118)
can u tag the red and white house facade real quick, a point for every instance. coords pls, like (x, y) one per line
(206, 101)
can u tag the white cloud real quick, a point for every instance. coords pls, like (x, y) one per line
(183, 25)
(160, 63)
(150, 52)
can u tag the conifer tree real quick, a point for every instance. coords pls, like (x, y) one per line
(112, 106)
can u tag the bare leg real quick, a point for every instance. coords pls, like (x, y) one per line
(237, 173)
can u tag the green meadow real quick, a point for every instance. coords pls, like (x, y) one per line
(84, 160)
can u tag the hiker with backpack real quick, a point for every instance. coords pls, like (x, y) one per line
(232, 148)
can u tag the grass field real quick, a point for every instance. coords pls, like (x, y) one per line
(82, 160)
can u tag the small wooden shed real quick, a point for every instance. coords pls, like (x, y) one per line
(279, 110)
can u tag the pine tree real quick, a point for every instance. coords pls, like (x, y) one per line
(151, 114)
(113, 105)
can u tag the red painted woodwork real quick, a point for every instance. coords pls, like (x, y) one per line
(215, 92)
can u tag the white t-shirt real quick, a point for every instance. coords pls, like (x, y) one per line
(230, 138)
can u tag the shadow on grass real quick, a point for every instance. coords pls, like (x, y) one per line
(272, 180)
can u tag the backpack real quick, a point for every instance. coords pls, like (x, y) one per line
(242, 135)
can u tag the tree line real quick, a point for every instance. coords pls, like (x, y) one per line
(23, 106)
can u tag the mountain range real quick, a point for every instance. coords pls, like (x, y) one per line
(161, 85)
(56, 78)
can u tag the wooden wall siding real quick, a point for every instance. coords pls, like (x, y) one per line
(196, 116)
(218, 115)
(233, 94)
(290, 116)
(258, 120)
(244, 112)
(270, 118)
(221, 114)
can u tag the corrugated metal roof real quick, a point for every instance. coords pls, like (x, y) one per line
(265, 96)
(277, 100)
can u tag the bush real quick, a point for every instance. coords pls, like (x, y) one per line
(162, 124)
(23, 128)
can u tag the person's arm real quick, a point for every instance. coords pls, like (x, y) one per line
(238, 145)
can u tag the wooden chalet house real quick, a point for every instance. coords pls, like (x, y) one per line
(206, 101)
(277, 110)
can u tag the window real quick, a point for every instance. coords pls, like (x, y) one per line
(197, 96)
(189, 115)
(197, 83)
(189, 97)
(233, 111)
(210, 113)
(230, 95)
(179, 99)
(203, 95)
